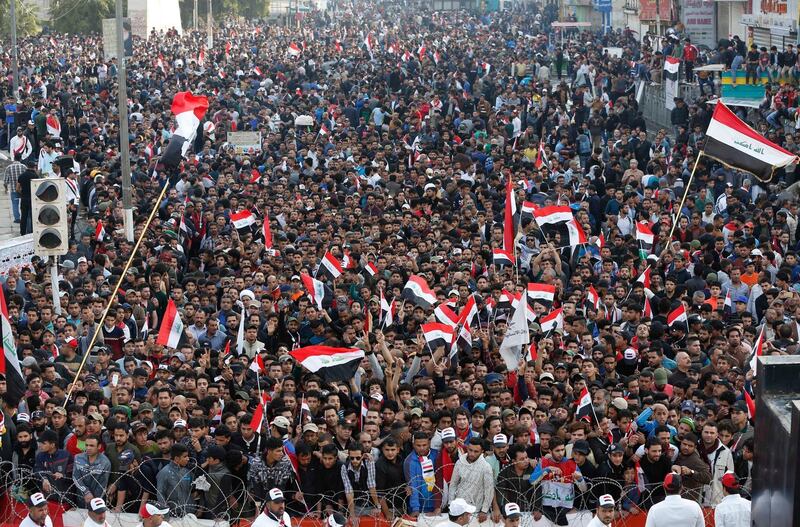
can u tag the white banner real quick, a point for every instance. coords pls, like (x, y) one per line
(16, 253)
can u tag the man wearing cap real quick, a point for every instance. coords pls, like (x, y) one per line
(675, 510)
(274, 513)
(473, 479)
(37, 512)
(448, 457)
(605, 512)
(152, 514)
(459, 515)
(218, 498)
(512, 515)
(733, 510)
(96, 513)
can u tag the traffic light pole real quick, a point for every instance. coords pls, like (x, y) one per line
(122, 108)
(54, 286)
(14, 57)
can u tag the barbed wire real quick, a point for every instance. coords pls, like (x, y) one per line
(536, 501)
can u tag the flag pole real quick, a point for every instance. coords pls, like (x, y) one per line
(117, 286)
(677, 214)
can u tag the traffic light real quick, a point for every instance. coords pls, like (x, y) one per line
(50, 223)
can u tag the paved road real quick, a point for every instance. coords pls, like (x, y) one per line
(8, 229)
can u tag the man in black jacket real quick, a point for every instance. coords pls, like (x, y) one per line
(655, 464)
(389, 479)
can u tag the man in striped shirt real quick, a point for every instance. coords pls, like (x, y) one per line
(12, 174)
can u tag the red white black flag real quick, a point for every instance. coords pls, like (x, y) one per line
(732, 142)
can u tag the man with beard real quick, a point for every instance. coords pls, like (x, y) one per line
(694, 472)
(151, 467)
(473, 479)
(655, 465)
(274, 513)
(446, 462)
(24, 457)
(389, 478)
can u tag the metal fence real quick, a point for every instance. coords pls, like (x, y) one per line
(538, 502)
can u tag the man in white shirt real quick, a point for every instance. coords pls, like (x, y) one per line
(274, 514)
(460, 514)
(97, 514)
(152, 514)
(733, 510)
(37, 512)
(20, 145)
(605, 512)
(674, 510)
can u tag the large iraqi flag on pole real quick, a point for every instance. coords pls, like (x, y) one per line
(333, 364)
(9, 366)
(731, 141)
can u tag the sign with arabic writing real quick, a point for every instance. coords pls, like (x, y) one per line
(557, 494)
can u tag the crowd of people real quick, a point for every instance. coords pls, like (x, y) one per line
(388, 144)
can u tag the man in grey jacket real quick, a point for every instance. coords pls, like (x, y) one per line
(174, 482)
(473, 479)
(91, 470)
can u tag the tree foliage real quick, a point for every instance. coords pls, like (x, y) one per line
(80, 16)
(249, 9)
(27, 23)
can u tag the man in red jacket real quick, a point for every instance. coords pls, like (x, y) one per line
(689, 57)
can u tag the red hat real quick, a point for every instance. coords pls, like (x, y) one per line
(730, 481)
(672, 482)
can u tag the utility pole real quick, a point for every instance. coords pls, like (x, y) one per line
(209, 29)
(14, 56)
(194, 16)
(122, 108)
(658, 18)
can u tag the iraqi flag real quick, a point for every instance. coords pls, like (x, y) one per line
(732, 142)
(527, 210)
(388, 311)
(417, 291)
(541, 157)
(593, 298)
(330, 268)
(671, 67)
(260, 412)
(189, 111)
(751, 405)
(508, 218)
(645, 237)
(543, 294)
(294, 50)
(506, 300)
(99, 232)
(171, 330)
(445, 315)
(53, 125)
(333, 364)
(316, 289)
(266, 232)
(9, 366)
(677, 316)
(647, 311)
(553, 220)
(575, 233)
(502, 258)
(257, 365)
(437, 335)
(370, 270)
(552, 321)
(728, 304)
(758, 351)
(583, 406)
(469, 314)
(644, 278)
(242, 220)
